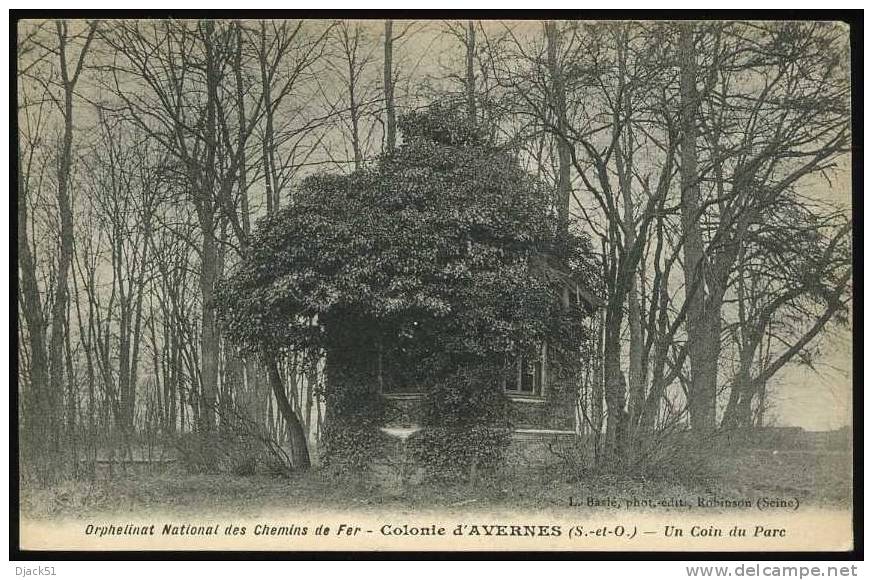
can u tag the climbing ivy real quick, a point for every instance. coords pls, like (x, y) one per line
(441, 254)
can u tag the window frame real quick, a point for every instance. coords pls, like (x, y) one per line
(513, 388)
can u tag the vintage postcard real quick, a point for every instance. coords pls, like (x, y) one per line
(435, 285)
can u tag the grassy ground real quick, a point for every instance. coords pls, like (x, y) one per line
(815, 477)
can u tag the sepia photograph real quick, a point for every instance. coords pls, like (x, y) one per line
(476, 285)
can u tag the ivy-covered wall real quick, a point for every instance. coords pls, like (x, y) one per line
(554, 410)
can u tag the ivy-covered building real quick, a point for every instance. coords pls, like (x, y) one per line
(544, 396)
(439, 286)
(544, 389)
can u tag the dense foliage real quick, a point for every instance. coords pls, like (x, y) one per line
(439, 252)
(467, 425)
(439, 261)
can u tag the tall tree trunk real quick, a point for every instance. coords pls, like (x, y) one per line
(296, 436)
(130, 412)
(597, 388)
(351, 48)
(125, 419)
(209, 331)
(173, 376)
(470, 78)
(636, 378)
(615, 386)
(267, 142)
(86, 338)
(648, 417)
(209, 267)
(311, 399)
(701, 403)
(72, 399)
(624, 159)
(241, 136)
(388, 78)
(36, 411)
(255, 402)
(559, 106)
(65, 251)
(748, 333)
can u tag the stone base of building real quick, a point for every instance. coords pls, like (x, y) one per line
(539, 447)
(395, 467)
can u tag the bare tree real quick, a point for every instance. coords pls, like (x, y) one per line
(653, 121)
(776, 88)
(54, 62)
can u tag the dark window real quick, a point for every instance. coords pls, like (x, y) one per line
(526, 376)
(397, 368)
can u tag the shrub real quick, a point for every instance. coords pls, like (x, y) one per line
(676, 454)
(467, 425)
(351, 437)
(222, 453)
